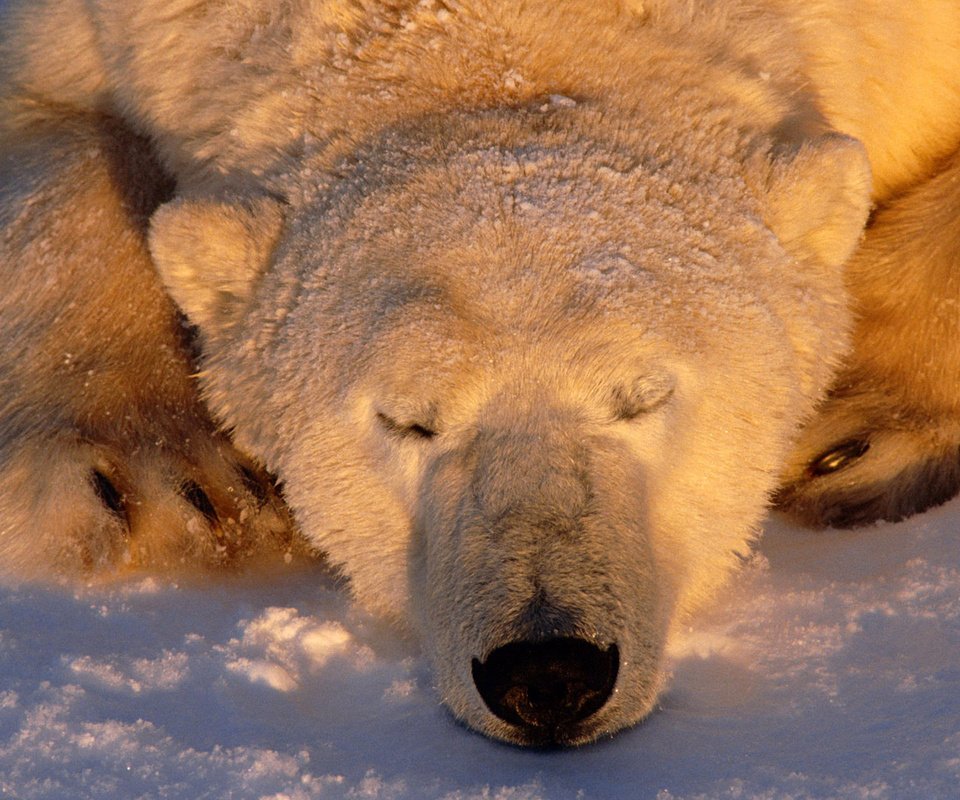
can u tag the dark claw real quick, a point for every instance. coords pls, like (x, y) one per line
(194, 494)
(109, 495)
(254, 484)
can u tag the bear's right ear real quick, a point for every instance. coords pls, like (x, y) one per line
(210, 253)
(816, 197)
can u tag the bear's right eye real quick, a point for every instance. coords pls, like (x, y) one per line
(405, 429)
(642, 395)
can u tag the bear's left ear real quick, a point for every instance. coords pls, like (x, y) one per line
(210, 253)
(817, 197)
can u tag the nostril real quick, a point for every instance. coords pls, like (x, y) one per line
(543, 685)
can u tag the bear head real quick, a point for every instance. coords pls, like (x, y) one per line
(527, 377)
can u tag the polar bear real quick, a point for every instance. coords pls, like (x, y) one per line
(523, 303)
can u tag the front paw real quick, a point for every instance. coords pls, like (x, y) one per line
(71, 505)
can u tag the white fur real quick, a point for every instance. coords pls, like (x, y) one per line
(389, 225)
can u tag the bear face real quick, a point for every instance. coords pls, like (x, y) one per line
(529, 388)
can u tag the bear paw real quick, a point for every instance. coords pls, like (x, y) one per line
(69, 506)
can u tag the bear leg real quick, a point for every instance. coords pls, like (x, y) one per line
(108, 457)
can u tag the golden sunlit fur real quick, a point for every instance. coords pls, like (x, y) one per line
(524, 303)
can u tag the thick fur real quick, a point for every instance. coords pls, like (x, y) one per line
(524, 302)
(108, 457)
(895, 406)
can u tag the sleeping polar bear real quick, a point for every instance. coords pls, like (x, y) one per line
(524, 303)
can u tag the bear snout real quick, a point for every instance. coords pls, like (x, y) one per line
(547, 688)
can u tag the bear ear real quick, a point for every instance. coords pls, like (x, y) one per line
(210, 253)
(817, 197)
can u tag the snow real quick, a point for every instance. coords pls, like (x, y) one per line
(829, 669)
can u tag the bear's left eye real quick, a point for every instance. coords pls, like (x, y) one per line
(642, 395)
(406, 429)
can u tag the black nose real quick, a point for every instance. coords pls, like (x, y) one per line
(543, 686)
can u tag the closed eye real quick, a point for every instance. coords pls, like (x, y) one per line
(641, 396)
(405, 429)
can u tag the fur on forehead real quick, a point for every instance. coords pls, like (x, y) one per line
(585, 186)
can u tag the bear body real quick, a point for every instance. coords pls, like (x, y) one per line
(524, 304)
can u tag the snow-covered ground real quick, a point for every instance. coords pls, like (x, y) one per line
(830, 669)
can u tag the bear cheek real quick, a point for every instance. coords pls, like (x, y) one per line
(347, 511)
